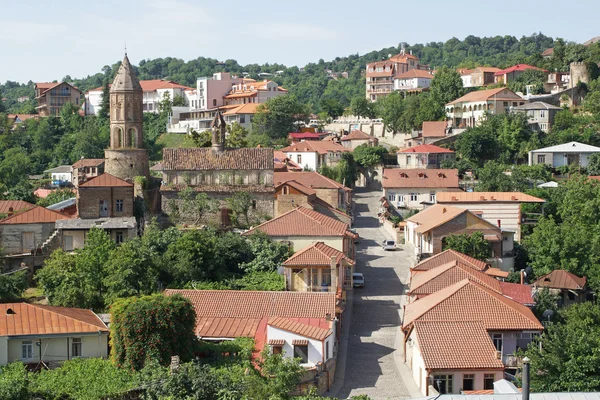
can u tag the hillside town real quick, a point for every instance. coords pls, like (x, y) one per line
(435, 235)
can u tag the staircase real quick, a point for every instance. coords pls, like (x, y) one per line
(52, 243)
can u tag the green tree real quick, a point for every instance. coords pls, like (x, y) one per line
(332, 107)
(477, 145)
(278, 116)
(391, 110)
(446, 86)
(566, 359)
(240, 204)
(530, 77)
(152, 327)
(473, 245)
(14, 384)
(593, 167)
(268, 254)
(194, 206)
(236, 136)
(491, 178)
(369, 156)
(56, 197)
(2, 107)
(545, 300)
(104, 111)
(12, 286)
(179, 101)
(361, 107)
(202, 138)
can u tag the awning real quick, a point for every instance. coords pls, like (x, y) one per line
(276, 342)
(300, 342)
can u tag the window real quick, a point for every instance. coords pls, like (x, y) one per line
(286, 190)
(326, 277)
(277, 349)
(514, 103)
(327, 351)
(413, 196)
(392, 197)
(76, 347)
(468, 382)
(118, 237)
(542, 113)
(488, 381)
(254, 204)
(119, 206)
(408, 160)
(242, 119)
(26, 350)
(432, 197)
(299, 158)
(571, 295)
(541, 159)
(497, 339)
(214, 102)
(301, 352)
(505, 103)
(443, 383)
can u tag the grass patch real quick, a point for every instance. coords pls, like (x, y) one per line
(171, 140)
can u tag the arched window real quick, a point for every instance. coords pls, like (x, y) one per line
(132, 138)
(118, 137)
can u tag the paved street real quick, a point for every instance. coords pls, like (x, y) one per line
(371, 361)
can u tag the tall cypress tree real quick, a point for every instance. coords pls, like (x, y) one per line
(2, 108)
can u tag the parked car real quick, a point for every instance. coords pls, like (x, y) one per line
(389, 245)
(358, 280)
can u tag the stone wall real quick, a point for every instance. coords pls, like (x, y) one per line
(446, 229)
(127, 163)
(331, 196)
(88, 201)
(11, 236)
(288, 202)
(219, 177)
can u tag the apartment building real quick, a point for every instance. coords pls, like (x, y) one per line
(52, 96)
(380, 75)
(250, 91)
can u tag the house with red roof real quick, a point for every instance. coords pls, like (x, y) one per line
(35, 333)
(465, 336)
(312, 154)
(357, 138)
(328, 190)
(569, 287)
(52, 96)
(506, 76)
(283, 163)
(302, 325)
(413, 79)
(414, 188)
(424, 156)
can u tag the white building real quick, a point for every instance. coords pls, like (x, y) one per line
(413, 79)
(311, 154)
(251, 91)
(413, 188)
(31, 333)
(154, 92)
(572, 153)
(61, 174)
(465, 75)
(210, 91)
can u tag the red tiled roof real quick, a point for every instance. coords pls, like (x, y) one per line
(486, 197)
(420, 178)
(298, 186)
(316, 255)
(35, 215)
(308, 178)
(315, 146)
(561, 279)
(105, 180)
(15, 206)
(483, 95)
(302, 222)
(305, 135)
(36, 319)
(425, 148)
(415, 73)
(487, 69)
(547, 52)
(299, 328)
(467, 300)
(518, 67)
(438, 278)
(519, 293)
(282, 162)
(359, 135)
(460, 345)
(434, 128)
(496, 272)
(447, 256)
(248, 108)
(182, 159)
(226, 327)
(88, 162)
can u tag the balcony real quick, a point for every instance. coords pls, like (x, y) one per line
(390, 90)
(511, 361)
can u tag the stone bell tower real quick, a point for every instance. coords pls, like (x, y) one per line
(126, 157)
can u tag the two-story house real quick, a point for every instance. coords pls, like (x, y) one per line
(540, 115)
(415, 187)
(470, 109)
(508, 75)
(482, 76)
(358, 138)
(572, 153)
(413, 79)
(52, 96)
(328, 190)
(312, 154)
(424, 156)
(86, 168)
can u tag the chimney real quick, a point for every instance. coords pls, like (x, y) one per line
(444, 210)
(11, 211)
(499, 224)
(525, 388)
(334, 274)
(522, 275)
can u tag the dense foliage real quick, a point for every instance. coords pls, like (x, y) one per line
(12, 286)
(153, 327)
(473, 245)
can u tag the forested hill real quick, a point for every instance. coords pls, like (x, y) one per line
(312, 85)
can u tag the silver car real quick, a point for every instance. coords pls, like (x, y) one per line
(389, 245)
(358, 280)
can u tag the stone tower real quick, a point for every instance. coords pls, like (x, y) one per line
(579, 73)
(126, 157)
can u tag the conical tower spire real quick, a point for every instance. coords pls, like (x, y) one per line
(126, 80)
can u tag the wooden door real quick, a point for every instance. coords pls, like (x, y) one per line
(103, 205)
(28, 241)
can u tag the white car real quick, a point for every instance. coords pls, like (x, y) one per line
(358, 280)
(389, 245)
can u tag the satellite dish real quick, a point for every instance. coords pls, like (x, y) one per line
(389, 55)
(548, 314)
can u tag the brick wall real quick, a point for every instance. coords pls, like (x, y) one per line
(446, 229)
(88, 200)
(328, 195)
(287, 202)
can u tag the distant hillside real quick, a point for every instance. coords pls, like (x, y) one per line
(313, 85)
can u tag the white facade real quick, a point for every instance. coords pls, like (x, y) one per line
(467, 80)
(411, 197)
(318, 351)
(61, 176)
(211, 90)
(411, 83)
(59, 347)
(573, 153)
(307, 160)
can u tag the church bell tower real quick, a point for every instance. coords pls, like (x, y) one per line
(126, 157)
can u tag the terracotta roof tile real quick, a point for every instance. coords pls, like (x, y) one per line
(276, 342)
(256, 304)
(447, 256)
(88, 162)
(298, 186)
(415, 73)
(518, 67)
(315, 146)
(487, 197)
(299, 328)
(105, 180)
(425, 148)
(496, 272)
(359, 135)
(483, 95)
(206, 159)
(302, 222)
(519, 293)
(461, 345)
(308, 178)
(467, 300)
(317, 255)
(226, 327)
(420, 178)
(441, 277)
(35, 215)
(15, 206)
(487, 69)
(249, 108)
(435, 216)
(561, 279)
(36, 319)
(434, 128)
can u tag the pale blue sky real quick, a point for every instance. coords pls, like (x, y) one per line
(46, 40)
